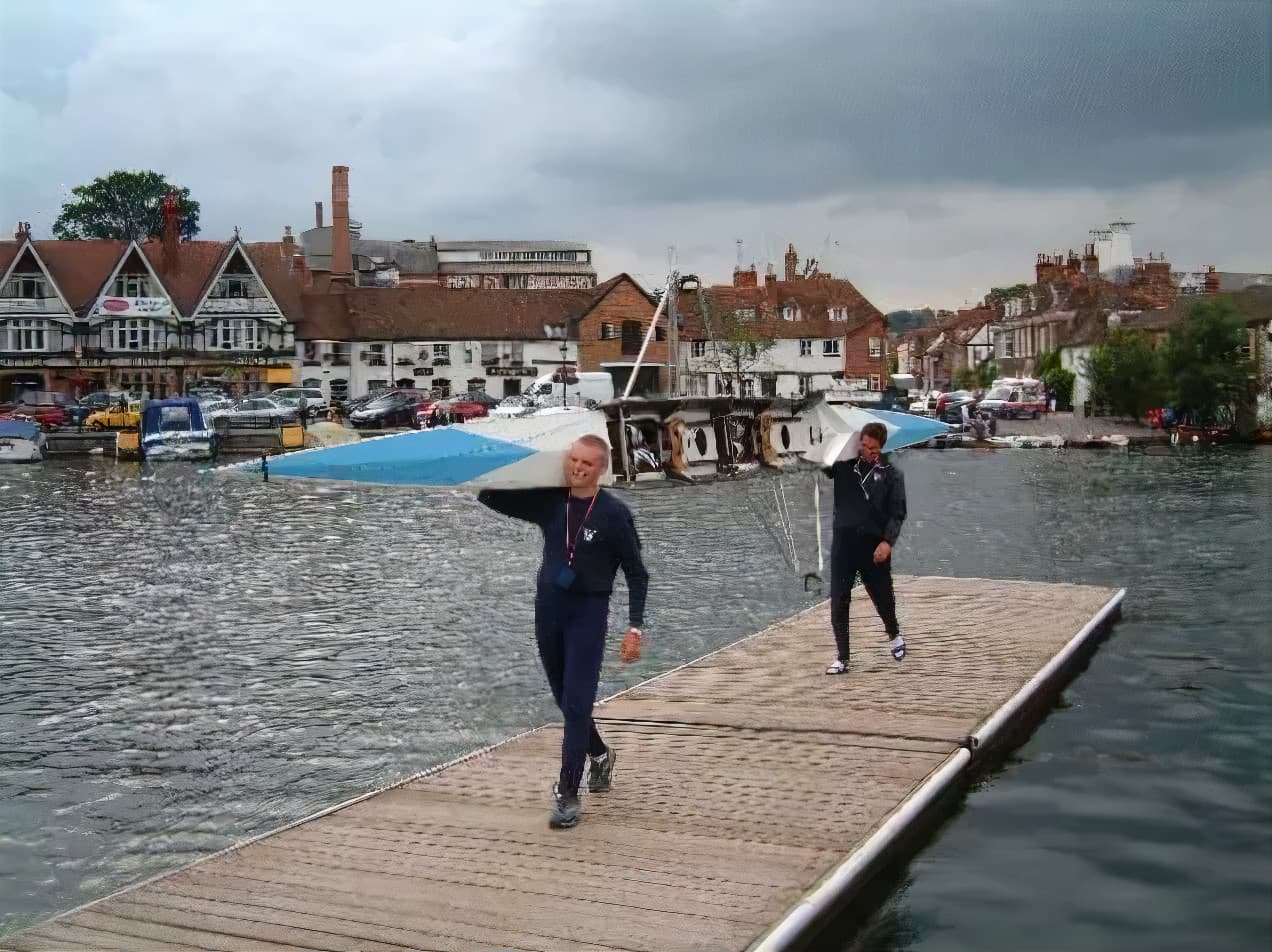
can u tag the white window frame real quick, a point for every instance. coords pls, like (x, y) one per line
(874, 383)
(239, 333)
(831, 348)
(747, 387)
(698, 348)
(34, 282)
(441, 351)
(134, 334)
(25, 335)
(876, 347)
(132, 285)
(806, 347)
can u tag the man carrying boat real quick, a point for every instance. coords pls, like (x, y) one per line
(869, 511)
(587, 535)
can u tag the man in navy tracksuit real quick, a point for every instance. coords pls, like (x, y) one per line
(869, 511)
(587, 535)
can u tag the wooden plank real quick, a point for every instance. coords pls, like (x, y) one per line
(742, 778)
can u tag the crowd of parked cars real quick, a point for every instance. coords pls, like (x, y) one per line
(1008, 398)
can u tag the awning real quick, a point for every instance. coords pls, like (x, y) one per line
(278, 375)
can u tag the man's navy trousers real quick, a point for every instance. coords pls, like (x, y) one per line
(570, 629)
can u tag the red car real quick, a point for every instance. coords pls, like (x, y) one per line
(47, 415)
(461, 410)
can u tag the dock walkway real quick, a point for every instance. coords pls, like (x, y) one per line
(752, 792)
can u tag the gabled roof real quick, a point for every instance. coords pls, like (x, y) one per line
(81, 268)
(814, 297)
(429, 312)
(602, 291)
(196, 262)
(9, 264)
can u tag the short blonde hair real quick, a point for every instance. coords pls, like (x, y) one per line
(594, 441)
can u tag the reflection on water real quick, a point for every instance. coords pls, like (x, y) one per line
(189, 661)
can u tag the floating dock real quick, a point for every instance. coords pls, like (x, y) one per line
(753, 796)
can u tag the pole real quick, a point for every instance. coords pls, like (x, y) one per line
(673, 336)
(649, 335)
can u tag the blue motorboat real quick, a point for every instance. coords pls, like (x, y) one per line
(174, 429)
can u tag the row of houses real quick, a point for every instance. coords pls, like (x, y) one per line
(164, 317)
(1070, 306)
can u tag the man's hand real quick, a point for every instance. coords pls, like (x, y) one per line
(882, 553)
(629, 650)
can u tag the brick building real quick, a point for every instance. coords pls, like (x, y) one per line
(824, 336)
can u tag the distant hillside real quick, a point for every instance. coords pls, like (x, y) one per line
(901, 321)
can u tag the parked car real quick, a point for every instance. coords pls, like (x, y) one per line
(101, 399)
(1015, 398)
(47, 415)
(396, 409)
(117, 417)
(254, 410)
(465, 408)
(316, 404)
(949, 406)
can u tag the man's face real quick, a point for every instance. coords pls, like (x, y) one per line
(584, 466)
(870, 449)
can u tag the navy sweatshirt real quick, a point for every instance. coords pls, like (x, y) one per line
(608, 540)
(869, 500)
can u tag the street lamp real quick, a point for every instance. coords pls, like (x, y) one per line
(564, 375)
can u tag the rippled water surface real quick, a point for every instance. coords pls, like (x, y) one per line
(186, 661)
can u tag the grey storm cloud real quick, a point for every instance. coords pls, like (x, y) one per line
(927, 149)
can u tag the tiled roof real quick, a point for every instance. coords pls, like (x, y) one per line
(814, 297)
(425, 312)
(80, 268)
(196, 265)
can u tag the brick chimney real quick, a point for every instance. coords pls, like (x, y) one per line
(289, 244)
(746, 279)
(792, 262)
(341, 251)
(317, 214)
(171, 234)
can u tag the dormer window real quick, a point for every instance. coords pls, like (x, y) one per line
(28, 286)
(132, 286)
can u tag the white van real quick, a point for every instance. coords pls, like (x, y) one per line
(581, 389)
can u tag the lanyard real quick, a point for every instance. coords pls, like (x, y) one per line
(570, 546)
(863, 479)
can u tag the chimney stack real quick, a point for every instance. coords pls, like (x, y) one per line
(317, 214)
(171, 233)
(745, 279)
(792, 262)
(341, 251)
(289, 244)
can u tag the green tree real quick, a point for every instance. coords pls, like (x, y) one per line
(1126, 374)
(1059, 381)
(124, 204)
(907, 320)
(965, 378)
(986, 374)
(1204, 363)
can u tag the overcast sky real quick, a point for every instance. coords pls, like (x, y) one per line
(926, 149)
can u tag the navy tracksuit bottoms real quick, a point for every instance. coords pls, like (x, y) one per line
(852, 552)
(570, 629)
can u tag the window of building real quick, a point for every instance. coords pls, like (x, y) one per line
(512, 387)
(660, 333)
(374, 355)
(876, 347)
(801, 385)
(830, 348)
(806, 348)
(874, 382)
(237, 334)
(373, 385)
(608, 332)
(477, 383)
(24, 334)
(340, 389)
(790, 314)
(441, 352)
(768, 385)
(29, 286)
(748, 387)
(744, 314)
(311, 383)
(441, 388)
(235, 286)
(134, 335)
(697, 385)
(132, 285)
(309, 352)
(632, 336)
(341, 354)
(698, 348)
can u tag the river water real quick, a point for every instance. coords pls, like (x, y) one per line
(185, 662)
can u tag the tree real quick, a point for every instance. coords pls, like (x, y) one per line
(1126, 374)
(124, 204)
(965, 378)
(986, 374)
(901, 321)
(1058, 380)
(1203, 360)
(737, 349)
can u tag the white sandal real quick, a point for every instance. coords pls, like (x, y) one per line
(839, 667)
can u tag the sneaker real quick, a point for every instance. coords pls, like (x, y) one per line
(898, 647)
(566, 809)
(600, 770)
(839, 667)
